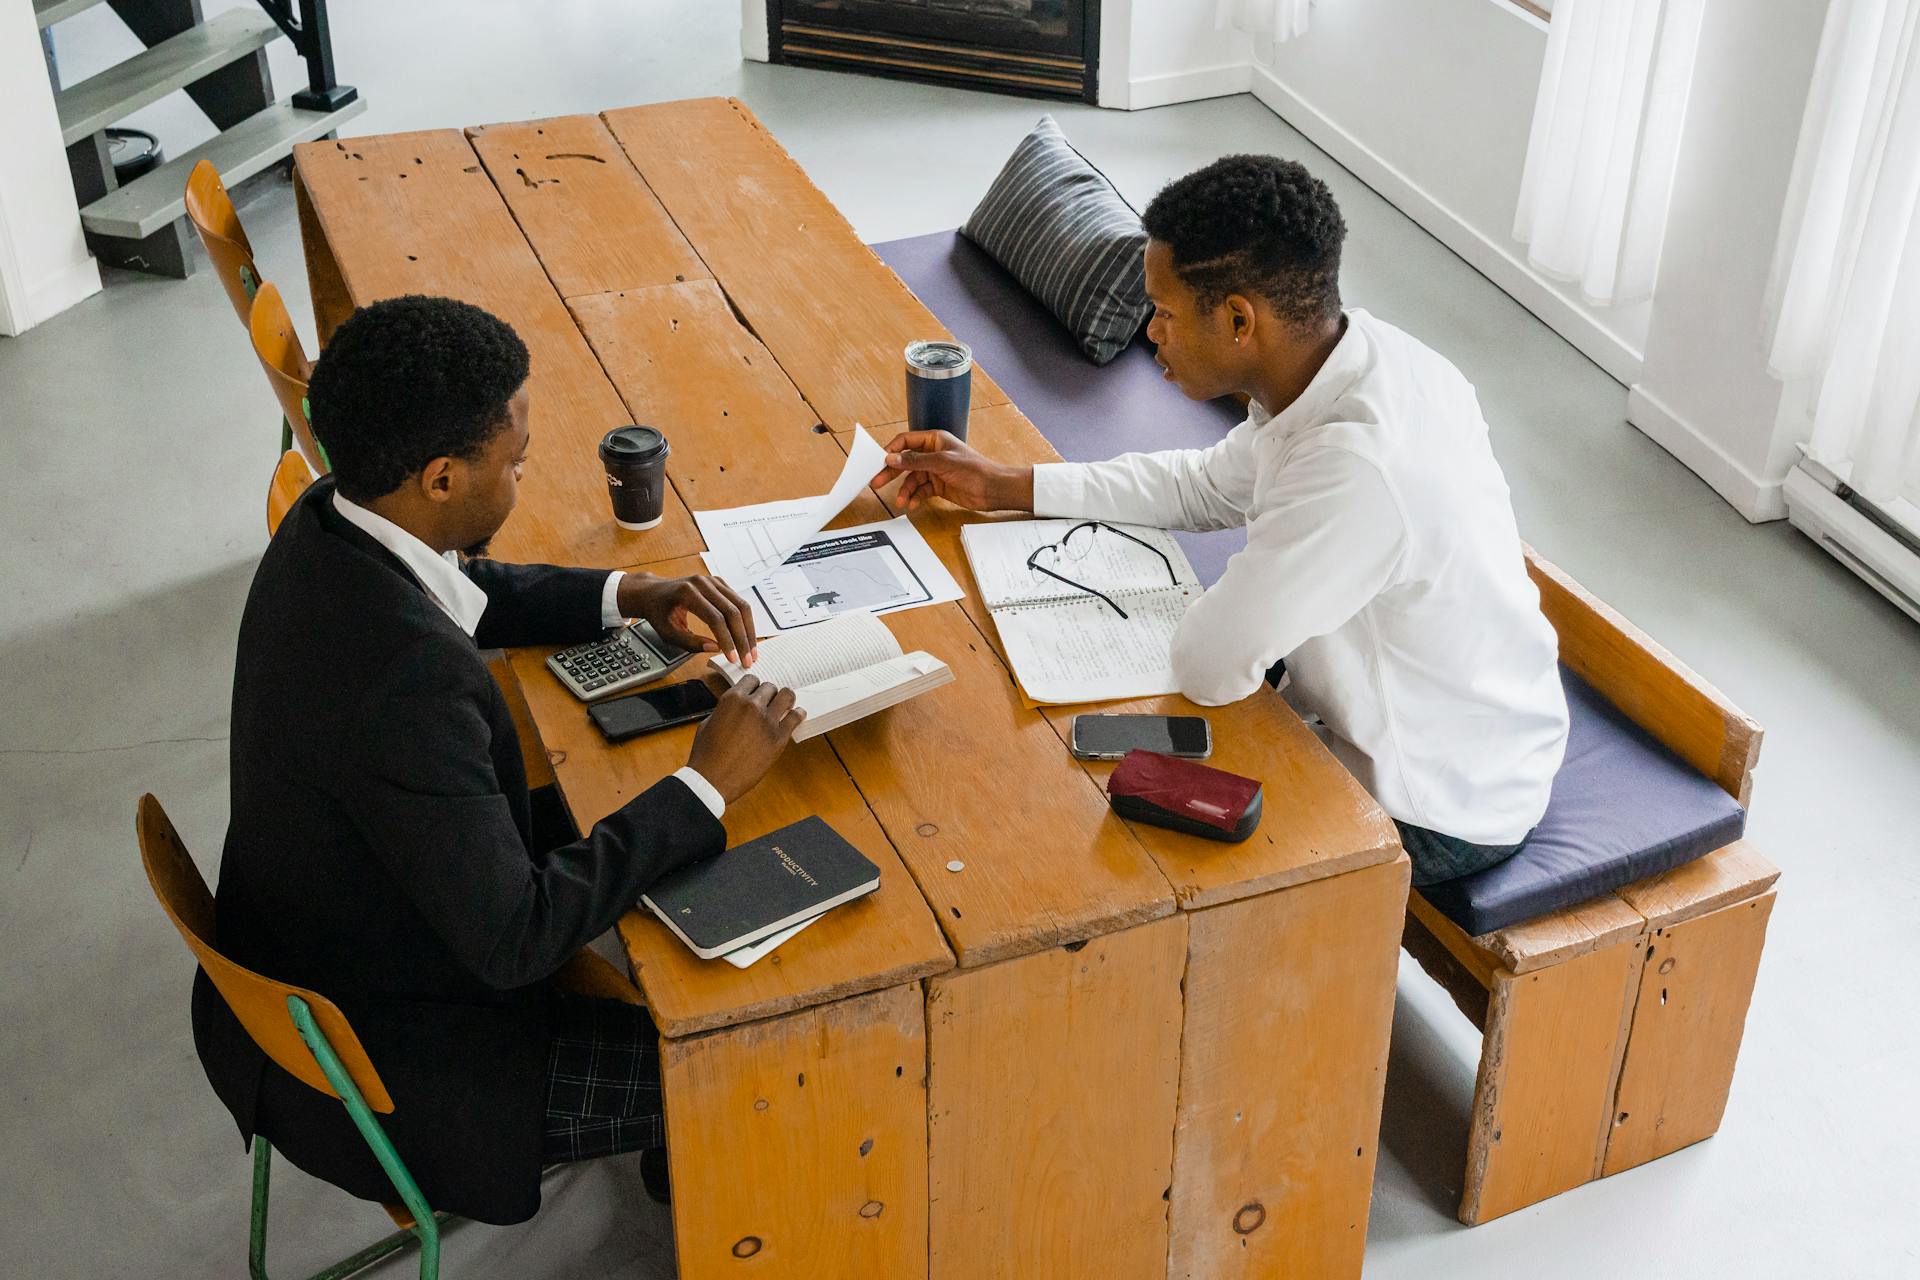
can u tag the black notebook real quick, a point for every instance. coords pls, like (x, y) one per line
(761, 887)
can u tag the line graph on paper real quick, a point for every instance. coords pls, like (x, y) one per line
(833, 575)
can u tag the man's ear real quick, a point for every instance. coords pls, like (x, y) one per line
(436, 480)
(1241, 318)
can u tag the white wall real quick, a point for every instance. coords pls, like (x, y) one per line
(1704, 393)
(1429, 102)
(1155, 52)
(44, 264)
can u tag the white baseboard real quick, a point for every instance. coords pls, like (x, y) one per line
(1186, 86)
(51, 295)
(1757, 498)
(1491, 258)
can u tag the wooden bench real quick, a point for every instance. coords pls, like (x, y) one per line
(1610, 1028)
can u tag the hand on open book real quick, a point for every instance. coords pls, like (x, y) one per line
(936, 464)
(746, 733)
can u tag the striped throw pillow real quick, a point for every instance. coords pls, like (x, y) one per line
(1066, 234)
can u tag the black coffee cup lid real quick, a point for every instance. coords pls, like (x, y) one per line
(633, 444)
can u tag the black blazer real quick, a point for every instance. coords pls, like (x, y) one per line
(379, 854)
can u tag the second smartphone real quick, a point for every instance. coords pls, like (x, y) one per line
(638, 713)
(1109, 737)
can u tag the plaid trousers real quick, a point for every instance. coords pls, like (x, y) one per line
(603, 1080)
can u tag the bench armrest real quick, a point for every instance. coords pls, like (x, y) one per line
(1648, 684)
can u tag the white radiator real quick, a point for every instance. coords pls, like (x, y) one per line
(1881, 547)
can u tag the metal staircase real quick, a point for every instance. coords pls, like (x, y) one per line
(222, 64)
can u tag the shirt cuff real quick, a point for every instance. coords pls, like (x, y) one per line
(610, 615)
(703, 789)
(1059, 489)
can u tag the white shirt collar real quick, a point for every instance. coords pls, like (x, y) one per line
(1349, 359)
(456, 594)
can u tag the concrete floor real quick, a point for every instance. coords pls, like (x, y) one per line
(137, 436)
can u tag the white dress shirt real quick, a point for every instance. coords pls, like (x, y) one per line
(1383, 563)
(461, 599)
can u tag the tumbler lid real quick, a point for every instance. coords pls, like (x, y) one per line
(939, 359)
(633, 445)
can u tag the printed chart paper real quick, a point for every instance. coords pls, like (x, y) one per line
(758, 539)
(870, 568)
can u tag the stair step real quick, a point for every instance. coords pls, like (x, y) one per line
(152, 200)
(124, 88)
(48, 12)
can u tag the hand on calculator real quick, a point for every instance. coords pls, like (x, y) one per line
(670, 604)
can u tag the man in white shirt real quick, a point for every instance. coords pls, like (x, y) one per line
(1382, 562)
(383, 848)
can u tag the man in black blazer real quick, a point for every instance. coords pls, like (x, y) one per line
(382, 850)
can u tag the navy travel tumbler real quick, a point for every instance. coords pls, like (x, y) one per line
(939, 386)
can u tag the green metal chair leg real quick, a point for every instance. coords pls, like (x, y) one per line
(286, 434)
(257, 1237)
(426, 1224)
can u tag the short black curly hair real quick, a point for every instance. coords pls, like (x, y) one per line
(1259, 225)
(407, 380)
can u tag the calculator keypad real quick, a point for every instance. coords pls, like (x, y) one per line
(600, 667)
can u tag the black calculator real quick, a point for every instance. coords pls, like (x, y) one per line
(623, 658)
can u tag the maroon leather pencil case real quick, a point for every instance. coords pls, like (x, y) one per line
(1184, 796)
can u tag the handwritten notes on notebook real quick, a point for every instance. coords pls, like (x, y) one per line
(1067, 645)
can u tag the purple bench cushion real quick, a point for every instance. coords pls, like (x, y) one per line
(1623, 806)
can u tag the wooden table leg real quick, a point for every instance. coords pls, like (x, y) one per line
(798, 1144)
(1289, 1008)
(1051, 1110)
(332, 304)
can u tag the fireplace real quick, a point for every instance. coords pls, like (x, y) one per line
(1037, 48)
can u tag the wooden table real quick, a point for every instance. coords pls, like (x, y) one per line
(1097, 1049)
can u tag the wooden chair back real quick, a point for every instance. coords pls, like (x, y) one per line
(259, 1002)
(290, 480)
(286, 366)
(1649, 685)
(211, 211)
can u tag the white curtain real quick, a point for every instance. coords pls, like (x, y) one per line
(1267, 21)
(1843, 302)
(1606, 134)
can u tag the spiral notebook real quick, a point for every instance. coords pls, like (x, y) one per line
(1067, 645)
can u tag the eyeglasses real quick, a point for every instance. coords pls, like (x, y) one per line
(1076, 545)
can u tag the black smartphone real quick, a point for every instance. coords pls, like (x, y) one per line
(1108, 737)
(638, 713)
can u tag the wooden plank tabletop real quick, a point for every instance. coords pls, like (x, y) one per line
(738, 430)
(756, 373)
(416, 213)
(881, 940)
(591, 220)
(833, 314)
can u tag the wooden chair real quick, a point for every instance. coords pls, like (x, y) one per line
(305, 1034)
(287, 369)
(1610, 1028)
(212, 213)
(290, 480)
(310, 1038)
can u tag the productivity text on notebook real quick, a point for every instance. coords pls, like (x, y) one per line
(1057, 590)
